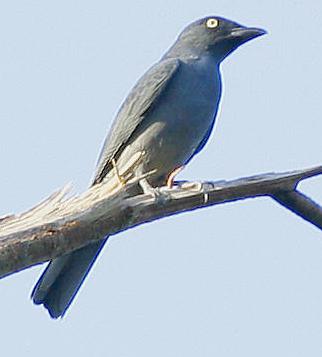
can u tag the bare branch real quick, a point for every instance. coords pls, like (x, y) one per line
(58, 226)
(301, 205)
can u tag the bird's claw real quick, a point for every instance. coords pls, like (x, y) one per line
(159, 195)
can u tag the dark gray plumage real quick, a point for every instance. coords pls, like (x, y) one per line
(169, 115)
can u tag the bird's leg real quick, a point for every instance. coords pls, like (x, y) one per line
(120, 178)
(158, 195)
(148, 189)
(170, 180)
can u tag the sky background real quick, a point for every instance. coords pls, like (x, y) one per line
(240, 279)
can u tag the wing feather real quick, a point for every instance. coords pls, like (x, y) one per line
(141, 99)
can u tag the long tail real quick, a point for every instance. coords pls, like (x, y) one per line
(60, 282)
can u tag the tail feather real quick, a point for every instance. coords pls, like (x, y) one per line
(61, 280)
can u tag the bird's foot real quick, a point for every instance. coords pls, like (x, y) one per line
(158, 195)
(202, 187)
(191, 185)
(173, 174)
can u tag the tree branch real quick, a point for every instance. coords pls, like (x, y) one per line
(58, 225)
(301, 205)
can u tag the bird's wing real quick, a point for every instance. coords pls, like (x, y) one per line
(141, 99)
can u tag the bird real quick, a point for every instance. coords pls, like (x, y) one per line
(169, 115)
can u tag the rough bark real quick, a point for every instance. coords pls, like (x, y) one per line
(60, 225)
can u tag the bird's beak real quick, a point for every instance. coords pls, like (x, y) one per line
(244, 34)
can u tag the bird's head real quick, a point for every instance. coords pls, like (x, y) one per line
(214, 35)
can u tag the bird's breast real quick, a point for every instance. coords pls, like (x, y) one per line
(181, 118)
(195, 93)
(189, 106)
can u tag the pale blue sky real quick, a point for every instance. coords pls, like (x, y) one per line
(242, 279)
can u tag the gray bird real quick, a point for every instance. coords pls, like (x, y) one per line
(168, 115)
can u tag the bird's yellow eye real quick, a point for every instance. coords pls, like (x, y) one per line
(212, 23)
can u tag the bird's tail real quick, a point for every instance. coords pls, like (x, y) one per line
(63, 277)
